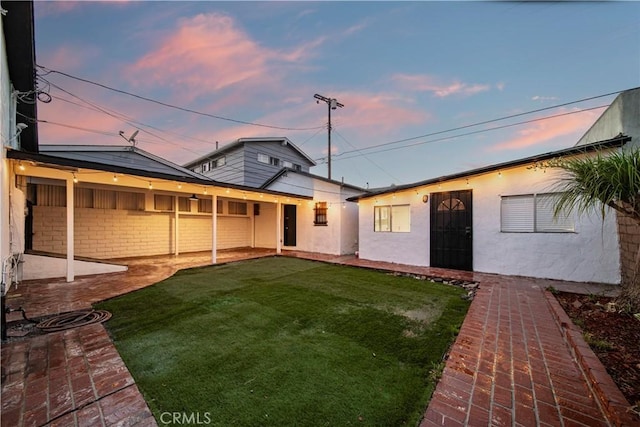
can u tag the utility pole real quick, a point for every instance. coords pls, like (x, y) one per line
(332, 104)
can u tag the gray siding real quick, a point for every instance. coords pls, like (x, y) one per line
(233, 171)
(243, 168)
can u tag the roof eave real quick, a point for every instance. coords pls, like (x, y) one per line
(616, 142)
(53, 161)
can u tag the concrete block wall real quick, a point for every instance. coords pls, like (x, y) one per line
(194, 233)
(629, 235)
(104, 233)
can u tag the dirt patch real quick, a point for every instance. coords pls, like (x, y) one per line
(613, 337)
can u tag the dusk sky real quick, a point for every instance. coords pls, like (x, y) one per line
(408, 71)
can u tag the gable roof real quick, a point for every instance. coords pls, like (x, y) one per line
(129, 157)
(285, 171)
(241, 141)
(618, 141)
(125, 160)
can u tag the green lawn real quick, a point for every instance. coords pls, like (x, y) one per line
(283, 341)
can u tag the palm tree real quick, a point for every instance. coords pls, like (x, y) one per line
(598, 182)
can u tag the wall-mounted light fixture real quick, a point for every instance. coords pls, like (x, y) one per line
(193, 197)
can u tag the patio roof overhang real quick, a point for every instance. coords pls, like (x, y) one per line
(616, 142)
(47, 166)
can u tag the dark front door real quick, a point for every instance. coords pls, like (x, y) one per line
(289, 225)
(451, 232)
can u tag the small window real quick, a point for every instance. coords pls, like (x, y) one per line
(297, 167)
(396, 219)
(452, 204)
(205, 206)
(104, 199)
(263, 158)
(218, 163)
(162, 202)
(206, 167)
(82, 197)
(287, 164)
(274, 161)
(237, 208)
(382, 218)
(532, 213)
(320, 213)
(129, 201)
(219, 205)
(184, 204)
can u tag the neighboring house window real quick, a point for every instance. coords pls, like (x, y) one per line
(237, 208)
(263, 158)
(320, 213)
(396, 219)
(297, 167)
(217, 163)
(532, 213)
(287, 164)
(205, 205)
(274, 161)
(206, 167)
(162, 202)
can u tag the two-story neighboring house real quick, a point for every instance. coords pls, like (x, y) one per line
(251, 161)
(327, 223)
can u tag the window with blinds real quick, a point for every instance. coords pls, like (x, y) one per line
(205, 206)
(162, 202)
(184, 204)
(55, 195)
(237, 208)
(533, 213)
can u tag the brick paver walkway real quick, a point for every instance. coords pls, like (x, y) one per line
(511, 366)
(70, 378)
(517, 361)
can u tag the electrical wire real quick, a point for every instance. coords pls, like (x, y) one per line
(492, 120)
(188, 110)
(459, 135)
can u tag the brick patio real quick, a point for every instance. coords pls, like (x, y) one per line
(517, 361)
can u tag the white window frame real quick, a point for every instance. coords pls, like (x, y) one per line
(263, 158)
(533, 213)
(206, 167)
(383, 219)
(219, 162)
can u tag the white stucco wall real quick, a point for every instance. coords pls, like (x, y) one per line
(340, 235)
(621, 117)
(588, 255)
(5, 120)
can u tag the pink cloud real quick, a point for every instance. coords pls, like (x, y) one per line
(543, 131)
(208, 53)
(426, 83)
(68, 57)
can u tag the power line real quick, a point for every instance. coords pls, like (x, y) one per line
(188, 110)
(366, 157)
(486, 122)
(474, 132)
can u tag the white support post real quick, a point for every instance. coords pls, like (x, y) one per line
(214, 229)
(176, 231)
(278, 227)
(70, 231)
